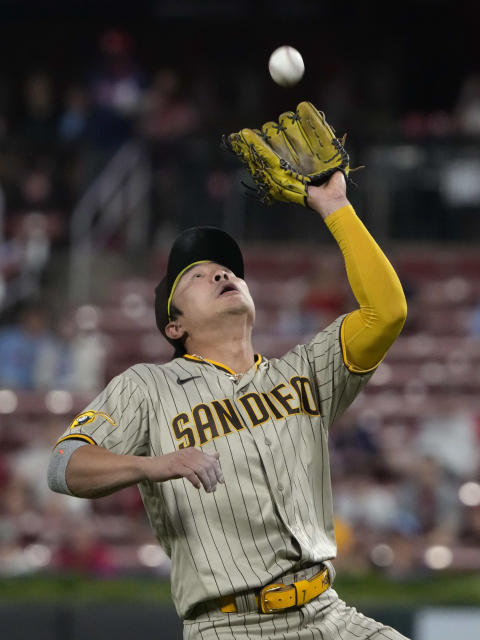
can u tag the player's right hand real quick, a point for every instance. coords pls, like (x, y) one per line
(199, 467)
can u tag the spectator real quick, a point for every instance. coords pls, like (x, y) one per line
(54, 362)
(449, 437)
(116, 87)
(168, 118)
(20, 345)
(38, 127)
(429, 499)
(73, 120)
(467, 108)
(470, 532)
(363, 502)
(356, 446)
(81, 551)
(27, 469)
(87, 360)
(323, 301)
(114, 93)
(475, 321)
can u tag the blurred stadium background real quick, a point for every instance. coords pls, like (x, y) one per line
(110, 121)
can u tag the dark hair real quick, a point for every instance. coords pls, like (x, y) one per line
(180, 343)
(174, 312)
(162, 318)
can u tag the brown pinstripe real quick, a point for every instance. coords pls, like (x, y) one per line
(274, 511)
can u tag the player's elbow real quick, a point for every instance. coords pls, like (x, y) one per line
(399, 313)
(388, 316)
(395, 316)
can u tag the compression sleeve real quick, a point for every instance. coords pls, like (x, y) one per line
(58, 464)
(367, 333)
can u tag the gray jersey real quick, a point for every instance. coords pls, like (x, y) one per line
(274, 511)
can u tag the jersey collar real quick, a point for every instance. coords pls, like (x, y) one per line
(219, 365)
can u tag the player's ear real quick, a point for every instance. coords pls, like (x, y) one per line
(174, 330)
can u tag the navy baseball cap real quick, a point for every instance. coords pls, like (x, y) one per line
(193, 246)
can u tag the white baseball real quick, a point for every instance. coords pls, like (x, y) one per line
(286, 66)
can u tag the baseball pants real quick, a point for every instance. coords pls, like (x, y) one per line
(326, 618)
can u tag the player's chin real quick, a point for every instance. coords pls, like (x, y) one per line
(238, 305)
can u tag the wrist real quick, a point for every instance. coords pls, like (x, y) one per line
(328, 207)
(142, 465)
(155, 468)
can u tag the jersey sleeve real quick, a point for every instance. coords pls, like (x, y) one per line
(117, 419)
(336, 384)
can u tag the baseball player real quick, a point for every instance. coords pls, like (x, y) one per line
(230, 449)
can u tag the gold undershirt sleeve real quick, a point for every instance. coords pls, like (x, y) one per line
(367, 333)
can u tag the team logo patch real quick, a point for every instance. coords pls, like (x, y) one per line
(89, 416)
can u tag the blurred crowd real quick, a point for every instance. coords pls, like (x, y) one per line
(408, 500)
(405, 459)
(58, 133)
(41, 352)
(407, 492)
(59, 136)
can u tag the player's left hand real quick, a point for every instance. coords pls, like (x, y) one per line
(328, 197)
(284, 158)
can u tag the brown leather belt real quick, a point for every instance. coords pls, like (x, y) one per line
(278, 596)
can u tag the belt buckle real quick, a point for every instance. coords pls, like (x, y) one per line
(263, 593)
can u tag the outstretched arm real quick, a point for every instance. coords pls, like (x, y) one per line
(368, 332)
(94, 472)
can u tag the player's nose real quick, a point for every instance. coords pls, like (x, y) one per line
(220, 274)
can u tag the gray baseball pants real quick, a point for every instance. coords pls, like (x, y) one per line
(324, 618)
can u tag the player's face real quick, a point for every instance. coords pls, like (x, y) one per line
(208, 291)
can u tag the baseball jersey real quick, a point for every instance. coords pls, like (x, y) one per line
(274, 513)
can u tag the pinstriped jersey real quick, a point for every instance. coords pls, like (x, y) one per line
(274, 512)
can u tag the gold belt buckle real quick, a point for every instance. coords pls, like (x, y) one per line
(264, 591)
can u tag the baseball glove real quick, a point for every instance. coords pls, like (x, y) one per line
(285, 157)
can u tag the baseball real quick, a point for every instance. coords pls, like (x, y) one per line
(286, 66)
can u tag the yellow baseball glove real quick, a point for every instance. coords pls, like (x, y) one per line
(285, 157)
